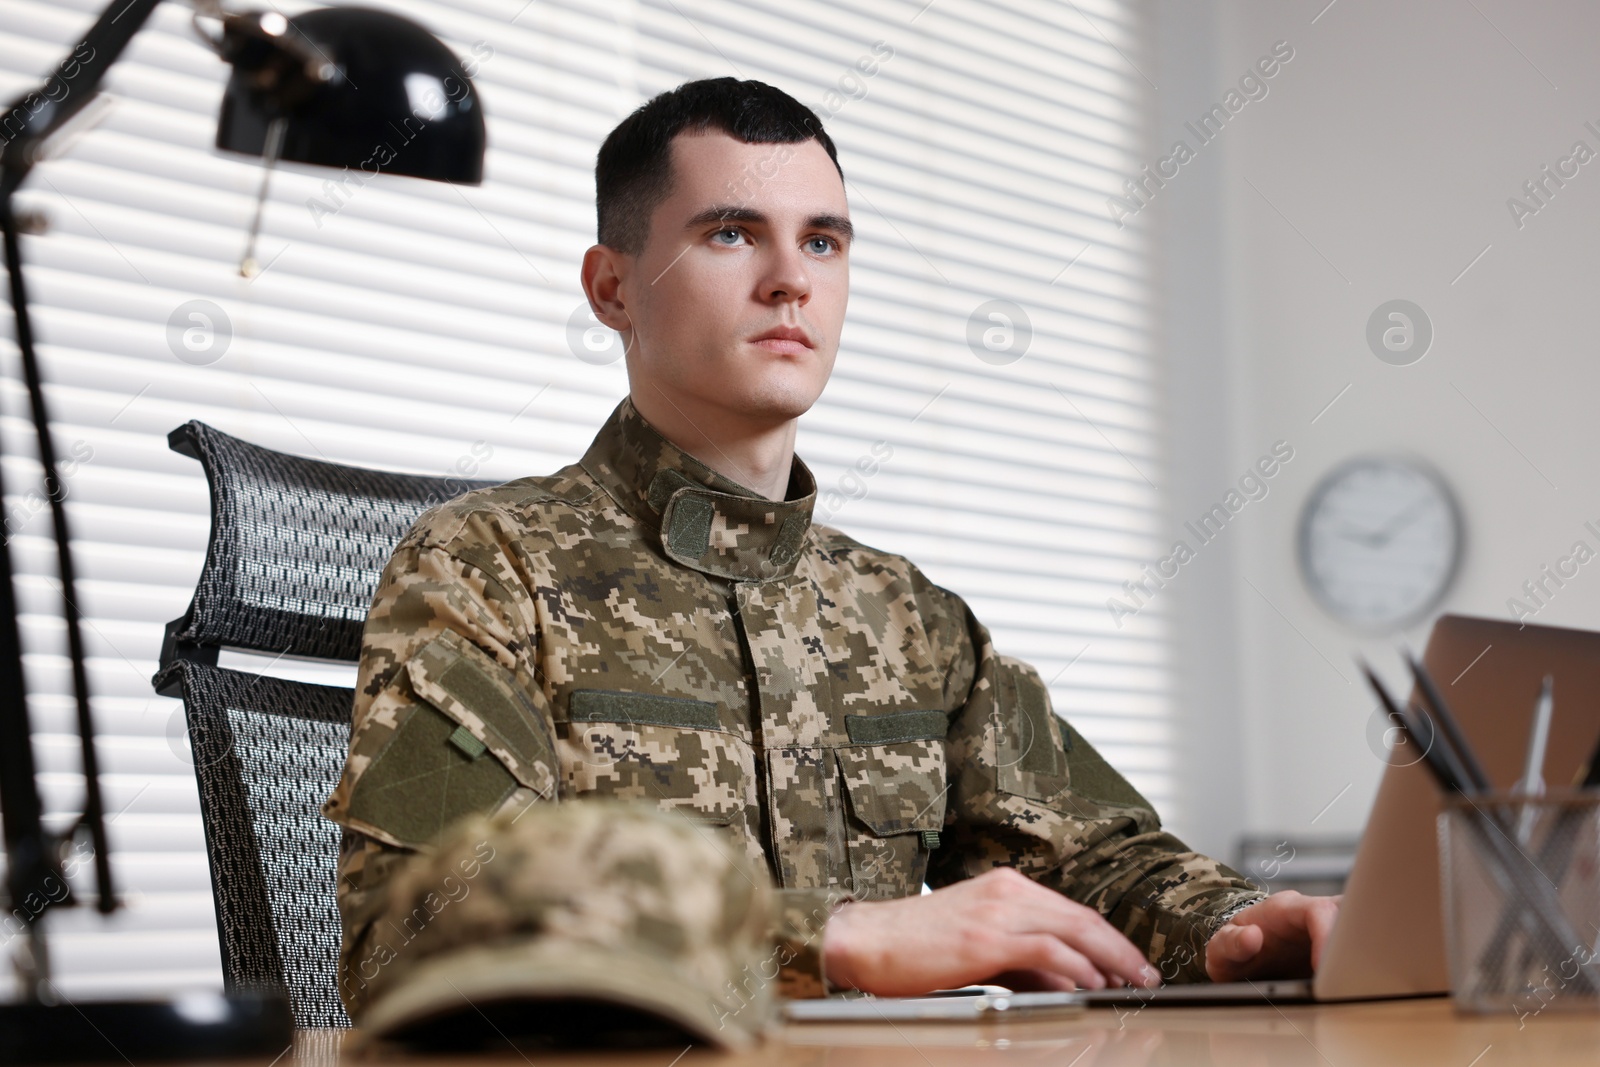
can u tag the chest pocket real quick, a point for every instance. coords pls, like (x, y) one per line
(894, 775)
(671, 751)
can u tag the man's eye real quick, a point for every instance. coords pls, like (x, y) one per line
(735, 235)
(821, 245)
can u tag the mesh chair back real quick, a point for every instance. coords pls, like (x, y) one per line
(296, 545)
(296, 549)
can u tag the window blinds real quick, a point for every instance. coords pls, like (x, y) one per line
(1014, 455)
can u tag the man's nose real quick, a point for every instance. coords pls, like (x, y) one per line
(786, 276)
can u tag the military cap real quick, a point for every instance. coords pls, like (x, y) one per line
(596, 922)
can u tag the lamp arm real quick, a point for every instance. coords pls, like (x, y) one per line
(34, 876)
(33, 868)
(39, 113)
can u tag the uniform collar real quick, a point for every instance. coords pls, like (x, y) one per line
(704, 520)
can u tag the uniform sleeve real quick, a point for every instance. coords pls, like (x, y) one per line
(1027, 791)
(799, 923)
(450, 719)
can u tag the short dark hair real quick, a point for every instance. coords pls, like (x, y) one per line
(633, 172)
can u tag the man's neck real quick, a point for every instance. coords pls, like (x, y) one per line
(756, 454)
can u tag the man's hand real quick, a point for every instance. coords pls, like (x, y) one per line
(1281, 937)
(999, 925)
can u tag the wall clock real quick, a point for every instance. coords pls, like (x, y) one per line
(1380, 540)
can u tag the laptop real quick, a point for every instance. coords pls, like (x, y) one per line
(1389, 939)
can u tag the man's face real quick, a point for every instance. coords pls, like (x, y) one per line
(753, 240)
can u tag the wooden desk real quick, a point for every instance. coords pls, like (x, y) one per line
(1416, 1033)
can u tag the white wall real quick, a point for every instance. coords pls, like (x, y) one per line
(1377, 167)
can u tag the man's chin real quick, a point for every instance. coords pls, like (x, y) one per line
(762, 416)
(769, 402)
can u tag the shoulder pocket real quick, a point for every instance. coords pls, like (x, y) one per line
(459, 679)
(1032, 760)
(1093, 779)
(462, 745)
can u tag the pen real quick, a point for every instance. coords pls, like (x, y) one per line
(1532, 782)
(1445, 769)
(1472, 769)
(1543, 907)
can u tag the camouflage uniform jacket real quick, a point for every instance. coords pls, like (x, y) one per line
(638, 626)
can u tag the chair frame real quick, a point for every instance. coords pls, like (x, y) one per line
(242, 879)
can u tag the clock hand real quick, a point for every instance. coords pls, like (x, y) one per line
(1387, 531)
(1365, 537)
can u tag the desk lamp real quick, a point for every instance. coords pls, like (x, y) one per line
(337, 87)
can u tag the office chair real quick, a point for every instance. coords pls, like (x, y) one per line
(295, 552)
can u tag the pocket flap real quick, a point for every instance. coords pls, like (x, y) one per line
(461, 680)
(897, 787)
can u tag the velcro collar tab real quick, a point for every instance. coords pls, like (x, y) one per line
(706, 520)
(743, 538)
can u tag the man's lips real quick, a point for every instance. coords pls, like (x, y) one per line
(789, 340)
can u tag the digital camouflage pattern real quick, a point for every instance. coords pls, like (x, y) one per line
(616, 902)
(638, 626)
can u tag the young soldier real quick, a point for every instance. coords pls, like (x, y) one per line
(662, 621)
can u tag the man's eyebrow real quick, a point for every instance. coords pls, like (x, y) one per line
(837, 223)
(733, 213)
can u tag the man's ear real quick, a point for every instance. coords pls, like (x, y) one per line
(604, 268)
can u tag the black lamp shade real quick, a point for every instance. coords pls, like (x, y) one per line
(395, 101)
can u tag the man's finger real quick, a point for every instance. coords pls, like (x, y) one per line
(1320, 925)
(1238, 943)
(1231, 950)
(1089, 933)
(1032, 981)
(1043, 952)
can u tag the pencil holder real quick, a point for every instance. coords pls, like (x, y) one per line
(1521, 884)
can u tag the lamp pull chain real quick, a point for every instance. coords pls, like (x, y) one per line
(249, 266)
